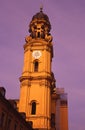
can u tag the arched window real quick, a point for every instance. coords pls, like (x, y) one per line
(38, 34)
(33, 110)
(36, 64)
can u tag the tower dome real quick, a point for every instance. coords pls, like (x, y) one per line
(40, 26)
(41, 16)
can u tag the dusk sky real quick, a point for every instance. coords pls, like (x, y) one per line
(67, 18)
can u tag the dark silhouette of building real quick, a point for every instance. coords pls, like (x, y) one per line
(10, 118)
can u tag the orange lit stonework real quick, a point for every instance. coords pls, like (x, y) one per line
(39, 97)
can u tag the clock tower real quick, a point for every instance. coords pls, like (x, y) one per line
(37, 82)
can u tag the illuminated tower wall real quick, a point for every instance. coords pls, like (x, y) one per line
(38, 94)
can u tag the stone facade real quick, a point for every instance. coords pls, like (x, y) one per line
(39, 98)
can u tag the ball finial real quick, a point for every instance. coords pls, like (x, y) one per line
(41, 8)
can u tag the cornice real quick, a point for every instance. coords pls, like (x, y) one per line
(35, 78)
(37, 42)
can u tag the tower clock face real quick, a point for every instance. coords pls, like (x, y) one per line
(36, 54)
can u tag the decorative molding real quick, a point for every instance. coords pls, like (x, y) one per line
(45, 83)
(25, 83)
(38, 116)
(49, 78)
(37, 102)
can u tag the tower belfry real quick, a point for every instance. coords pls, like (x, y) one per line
(37, 83)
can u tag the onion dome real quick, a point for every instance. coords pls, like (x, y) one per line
(41, 16)
(40, 27)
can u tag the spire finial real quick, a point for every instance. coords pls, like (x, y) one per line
(41, 8)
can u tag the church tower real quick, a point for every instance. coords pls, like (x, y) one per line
(37, 82)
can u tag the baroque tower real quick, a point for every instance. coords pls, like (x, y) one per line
(38, 94)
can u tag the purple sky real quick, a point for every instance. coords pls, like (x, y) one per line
(67, 18)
